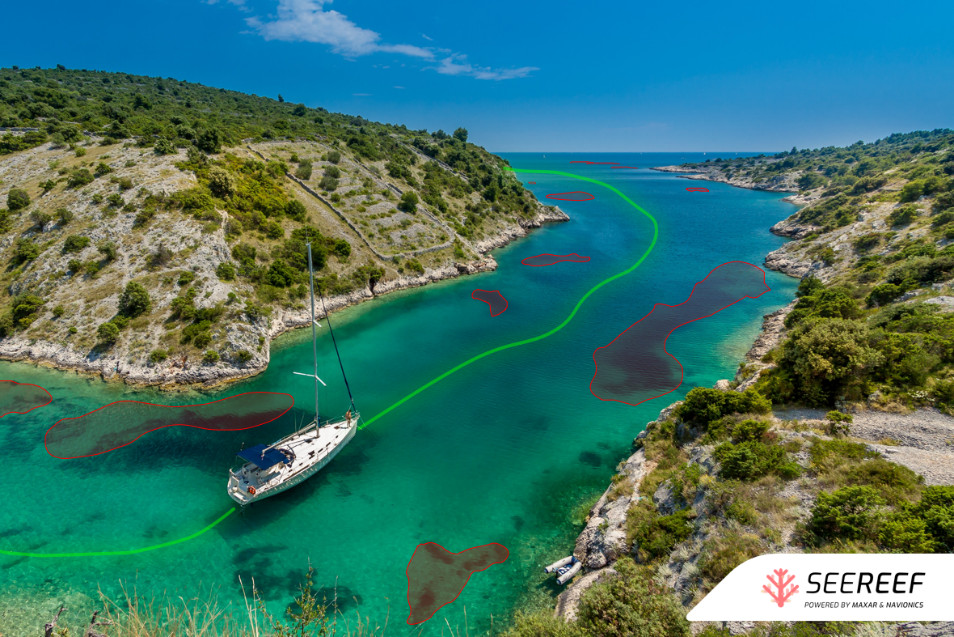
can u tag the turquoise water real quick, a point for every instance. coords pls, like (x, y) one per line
(502, 451)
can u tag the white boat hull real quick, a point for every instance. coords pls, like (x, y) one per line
(312, 449)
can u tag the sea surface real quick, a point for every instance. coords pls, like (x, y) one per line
(509, 449)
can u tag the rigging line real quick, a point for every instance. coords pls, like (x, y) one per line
(566, 321)
(340, 364)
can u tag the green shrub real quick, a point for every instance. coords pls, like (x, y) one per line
(108, 333)
(295, 210)
(63, 216)
(749, 431)
(225, 271)
(725, 553)
(210, 357)
(850, 513)
(902, 216)
(108, 250)
(884, 294)
(866, 242)
(328, 183)
(25, 308)
(303, 171)
(58, 311)
(243, 356)
(751, 460)
(186, 277)
(75, 243)
(541, 624)
(826, 359)
(414, 266)
(158, 355)
(134, 300)
(656, 535)
(838, 423)
(79, 177)
(202, 339)
(631, 604)
(102, 168)
(902, 532)
(895, 483)
(25, 250)
(703, 405)
(409, 201)
(17, 199)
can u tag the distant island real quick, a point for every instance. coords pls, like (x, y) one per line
(154, 230)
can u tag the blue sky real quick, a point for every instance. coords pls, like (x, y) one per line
(533, 75)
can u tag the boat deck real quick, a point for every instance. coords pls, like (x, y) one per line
(311, 449)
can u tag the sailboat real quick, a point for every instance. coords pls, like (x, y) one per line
(271, 469)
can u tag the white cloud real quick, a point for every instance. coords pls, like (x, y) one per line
(458, 65)
(313, 21)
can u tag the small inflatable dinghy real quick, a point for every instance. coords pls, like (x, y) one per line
(565, 569)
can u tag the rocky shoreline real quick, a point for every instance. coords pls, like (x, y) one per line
(603, 538)
(780, 183)
(181, 375)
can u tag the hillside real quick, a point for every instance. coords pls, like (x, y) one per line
(835, 434)
(156, 229)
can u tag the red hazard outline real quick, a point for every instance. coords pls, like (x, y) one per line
(467, 581)
(681, 370)
(506, 302)
(697, 189)
(547, 254)
(141, 402)
(556, 195)
(31, 408)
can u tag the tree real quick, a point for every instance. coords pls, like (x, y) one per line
(461, 134)
(40, 218)
(825, 357)
(209, 141)
(134, 300)
(25, 250)
(17, 199)
(221, 182)
(408, 202)
(108, 333)
(296, 210)
(75, 243)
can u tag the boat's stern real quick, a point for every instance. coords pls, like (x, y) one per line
(238, 489)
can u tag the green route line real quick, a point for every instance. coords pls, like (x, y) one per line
(128, 551)
(554, 330)
(417, 391)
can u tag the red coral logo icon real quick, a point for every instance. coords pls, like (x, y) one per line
(782, 591)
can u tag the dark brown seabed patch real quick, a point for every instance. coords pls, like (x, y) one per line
(636, 367)
(20, 398)
(498, 304)
(436, 577)
(124, 422)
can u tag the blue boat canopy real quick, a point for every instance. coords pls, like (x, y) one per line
(262, 456)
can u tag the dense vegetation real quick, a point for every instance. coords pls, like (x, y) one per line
(375, 201)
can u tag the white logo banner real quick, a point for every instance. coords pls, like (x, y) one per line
(829, 587)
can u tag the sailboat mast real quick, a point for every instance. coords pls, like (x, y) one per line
(314, 336)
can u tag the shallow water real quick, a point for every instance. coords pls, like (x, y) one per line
(502, 451)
